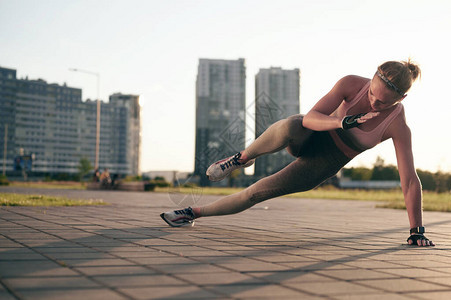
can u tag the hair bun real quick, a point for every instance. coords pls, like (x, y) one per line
(401, 73)
(414, 68)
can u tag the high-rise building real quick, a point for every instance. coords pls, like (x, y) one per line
(8, 91)
(125, 139)
(277, 97)
(220, 111)
(52, 123)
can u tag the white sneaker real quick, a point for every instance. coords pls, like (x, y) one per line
(221, 169)
(179, 218)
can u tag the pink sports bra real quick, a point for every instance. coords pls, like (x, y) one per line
(355, 140)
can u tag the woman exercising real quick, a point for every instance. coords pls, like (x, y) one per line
(356, 115)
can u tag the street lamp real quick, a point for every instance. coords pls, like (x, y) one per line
(98, 112)
(5, 149)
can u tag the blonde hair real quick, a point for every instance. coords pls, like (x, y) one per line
(402, 74)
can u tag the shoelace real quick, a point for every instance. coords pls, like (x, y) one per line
(186, 212)
(233, 161)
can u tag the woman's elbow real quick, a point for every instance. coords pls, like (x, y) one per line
(413, 183)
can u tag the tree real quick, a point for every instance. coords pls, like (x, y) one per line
(383, 172)
(379, 163)
(427, 180)
(84, 167)
(359, 173)
(441, 182)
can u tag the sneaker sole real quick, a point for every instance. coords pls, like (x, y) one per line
(175, 224)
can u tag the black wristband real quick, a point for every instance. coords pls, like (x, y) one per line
(419, 230)
(351, 121)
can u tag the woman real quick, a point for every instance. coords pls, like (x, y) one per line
(357, 114)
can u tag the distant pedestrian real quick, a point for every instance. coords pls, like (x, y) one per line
(357, 114)
(105, 178)
(96, 175)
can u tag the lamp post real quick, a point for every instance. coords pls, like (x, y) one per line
(98, 112)
(5, 149)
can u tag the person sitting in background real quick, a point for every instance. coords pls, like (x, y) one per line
(105, 178)
(96, 175)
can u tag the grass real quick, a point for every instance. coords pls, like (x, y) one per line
(431, 202)
(7, 199)
(63, 185)
(388, 198)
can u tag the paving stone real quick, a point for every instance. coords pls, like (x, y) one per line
(117, 270)
(257, 290)
(219, 278)
(279, 258)
(64, 294)
(158, 242)
(165, 260)
(32, 268)
(391, 296)
(49, 244)
(372, 264)
(15, 250)
(76, 249)
(417, 273)
(80, 256)
(331, 288)
(440, 280)
(442, 295)
(355, 274)
(188, 268)
(282, 277)
(174, 292)
(125, 250)
(21, 256)
(140, 254)
(4, 295)
(41, 283)
(96, 262)
(214, 259)
(311, 266)
(402, 285)
(254, 266)
(425, 263)
(195, 253)
(122, 281)
(444, 270)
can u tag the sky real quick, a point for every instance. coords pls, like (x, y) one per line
(152, 48)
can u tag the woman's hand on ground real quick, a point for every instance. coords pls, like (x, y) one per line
(419, 240)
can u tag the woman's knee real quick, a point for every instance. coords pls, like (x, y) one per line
(295, 129)
(264, 189)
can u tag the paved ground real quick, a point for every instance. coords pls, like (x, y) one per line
(284, 248)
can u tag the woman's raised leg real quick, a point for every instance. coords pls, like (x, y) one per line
(278, 136)
(285, 133)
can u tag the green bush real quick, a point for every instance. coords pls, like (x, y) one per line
(4, 180)
(190, 185)
(149, 186)
(65, 177)
(131, 178)
(427, 180)
(160, 183)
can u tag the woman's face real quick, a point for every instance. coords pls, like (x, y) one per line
(380, 96)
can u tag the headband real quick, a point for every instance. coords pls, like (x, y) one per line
(389, 83)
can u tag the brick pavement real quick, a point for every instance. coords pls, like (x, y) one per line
(283, 248)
